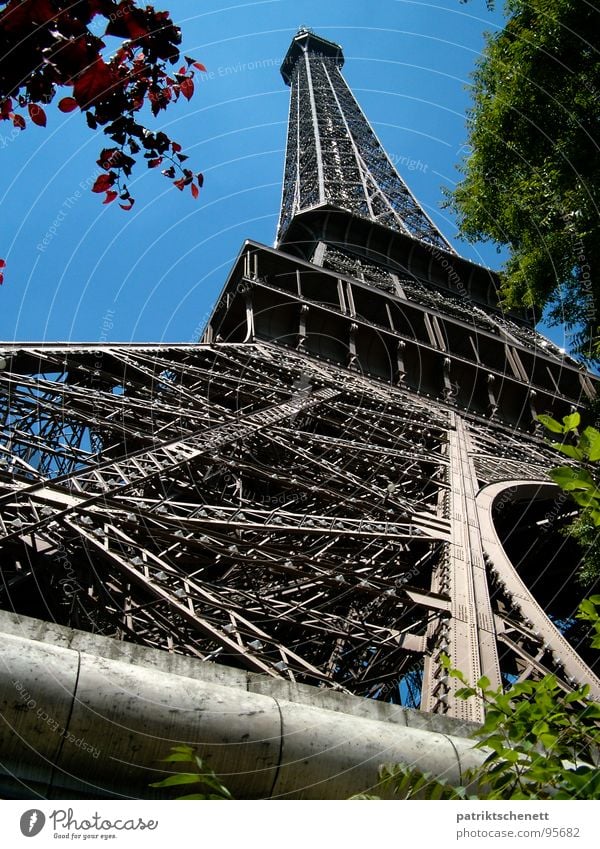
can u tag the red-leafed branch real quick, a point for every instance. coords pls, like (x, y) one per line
(46, 45)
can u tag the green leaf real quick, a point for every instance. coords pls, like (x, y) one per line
(572, 479)
(178, 757)
(179, 778)
(210, 779)
(592, 711)
(465, 692)
(411, 783)
(193, 796)
(204, 776)
(456, 673)
(594, 515)
(572, 697)
(569, 450)
(551, 424)
(590, 443)
(587, 610)
(586, 499)
(571, 422)
(548, 740)
(484, 682)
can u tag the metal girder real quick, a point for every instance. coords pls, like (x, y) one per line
(470, 628)
(304, 533)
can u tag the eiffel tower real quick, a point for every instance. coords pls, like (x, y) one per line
(343, 480)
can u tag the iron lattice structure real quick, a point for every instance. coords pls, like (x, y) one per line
(343, 480)
(333, 155)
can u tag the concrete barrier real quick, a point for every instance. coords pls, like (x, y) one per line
(89, 717)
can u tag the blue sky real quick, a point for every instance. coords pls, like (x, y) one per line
(159, 268)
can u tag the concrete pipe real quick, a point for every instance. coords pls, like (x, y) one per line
(80, 724)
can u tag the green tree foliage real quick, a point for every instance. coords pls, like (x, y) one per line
(542, 742)
(530, 176)
(585, 533)
(410, 783)
(581, 484)
(585, 448)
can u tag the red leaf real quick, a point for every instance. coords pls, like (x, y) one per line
(129, 205)
(127, 22)
(107, 157)
(179, 183)
(104, 182)
(2, 263)
(19, 121)
(153, 163)
(187, 88)
(110, 196)
(195, 191)
(97, 82)
(175, 147)
(22, 15)
(200, 66)
(67, 104)
(37, 114)
(200, 179)
(1, 278)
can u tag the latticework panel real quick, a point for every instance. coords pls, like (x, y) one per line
(238, 503)
(334, 157)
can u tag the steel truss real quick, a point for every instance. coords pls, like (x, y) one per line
(334, 157)
(245, 504)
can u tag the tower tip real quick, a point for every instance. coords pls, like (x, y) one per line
(307, 41)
